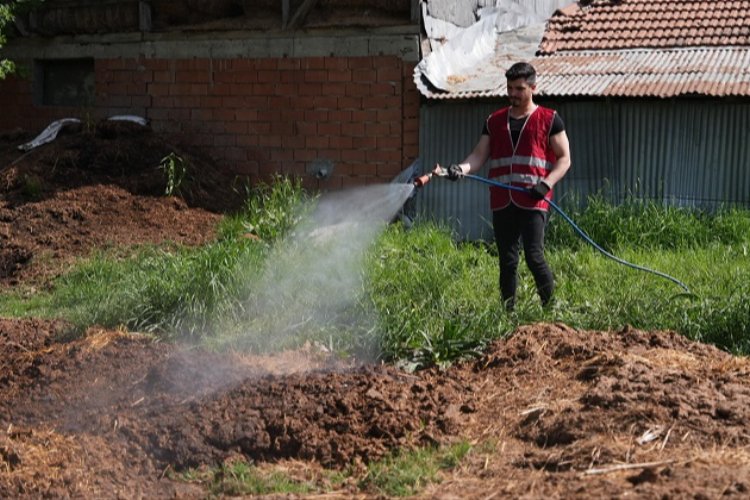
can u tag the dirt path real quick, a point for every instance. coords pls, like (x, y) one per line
(551, 412)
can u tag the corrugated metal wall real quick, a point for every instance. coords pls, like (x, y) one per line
(685, 152)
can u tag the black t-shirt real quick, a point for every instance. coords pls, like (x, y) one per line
(516, 124)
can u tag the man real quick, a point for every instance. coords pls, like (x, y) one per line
(527, 146)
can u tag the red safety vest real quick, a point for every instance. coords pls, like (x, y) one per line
(530, 162)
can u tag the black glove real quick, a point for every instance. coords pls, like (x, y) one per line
(540, 190)
(455, 172)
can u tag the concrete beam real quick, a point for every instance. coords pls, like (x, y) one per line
(219, 45)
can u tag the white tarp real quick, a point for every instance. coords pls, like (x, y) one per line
(506, 32)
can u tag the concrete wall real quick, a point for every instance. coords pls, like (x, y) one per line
(259, 113)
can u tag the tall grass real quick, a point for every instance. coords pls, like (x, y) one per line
(435, 300)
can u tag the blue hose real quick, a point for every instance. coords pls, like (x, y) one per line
(580, 232)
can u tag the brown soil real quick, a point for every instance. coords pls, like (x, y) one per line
(550, 411)
(96, 189)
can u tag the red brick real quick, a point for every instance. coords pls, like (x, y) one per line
(354, 129)
(293, 141)
(242, 89)
(187, 101)
(141, 101)
(329, 128)
(313, 63)
(357, 89)
(304, 155)
(269, 115)
(388, 114)
(282, 128)
(283, 154)
(193, 64)
(146, 76)
(353, 155)
(136, 89)
(316, 76)
(333, 89)
(349, 102)
(192, 76)
(307, 128)
(224, 140)
(362, 116)
(268, 63)
(247, 140)
(162, 102)
(390, 169)
(200, 114)
(364, 75)
(156, 64)
(279, 102)
(222, 77)
(325, 102)
(244, 64)
(179, 114)
(383, 102)
(383, 89)
(315, 116)
(388, 142)
(336, 63)
(386, 62)
(235, 154)
(210, 102)
(383, 156)
(246, 115)
(263, 89)
(163, 76)
(340, 76)
(245, 76)
(389, 74)
(366, 142)
(316, 142)
(340, 142)
(289, 63)
(269, 76)
(225, 114)
(237, 128)
(374, 129)
(360, 62)
(259, 128)
(310, 89)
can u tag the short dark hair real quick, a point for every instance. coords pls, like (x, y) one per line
(522, 70)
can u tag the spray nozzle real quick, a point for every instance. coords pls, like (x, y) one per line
(438, 171)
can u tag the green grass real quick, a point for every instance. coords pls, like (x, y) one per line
(426, 299)
(241, 478)
(408, 473)
(402, 473)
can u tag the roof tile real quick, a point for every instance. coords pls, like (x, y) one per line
(648, 23)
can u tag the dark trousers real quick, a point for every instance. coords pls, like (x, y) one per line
(512, 226)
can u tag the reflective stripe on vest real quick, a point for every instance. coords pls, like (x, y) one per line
(521, 160)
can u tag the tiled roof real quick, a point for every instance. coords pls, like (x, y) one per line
(623, 24)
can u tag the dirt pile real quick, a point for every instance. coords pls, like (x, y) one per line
(552, 411)
(96, 188)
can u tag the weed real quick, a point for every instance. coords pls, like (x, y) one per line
(175, 170)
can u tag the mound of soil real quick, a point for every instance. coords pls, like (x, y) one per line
(551, 411)
(95, 188)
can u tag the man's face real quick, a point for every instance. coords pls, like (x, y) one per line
(520, 92)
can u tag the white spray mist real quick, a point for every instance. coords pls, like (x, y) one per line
(312, 281)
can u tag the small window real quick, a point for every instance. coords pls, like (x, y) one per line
(64, 82)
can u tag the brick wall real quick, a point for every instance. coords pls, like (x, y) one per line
(259, 116)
